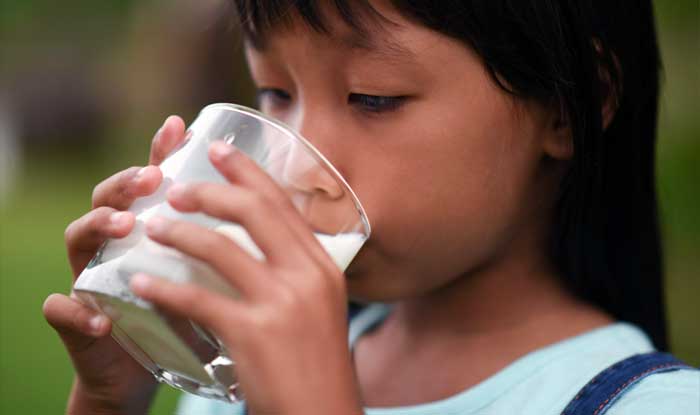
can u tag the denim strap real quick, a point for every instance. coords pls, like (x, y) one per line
(605, 388)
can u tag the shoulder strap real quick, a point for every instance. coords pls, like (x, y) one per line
(605, 388)
(353, 310)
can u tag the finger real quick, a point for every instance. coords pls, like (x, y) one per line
(169, 136)
(120, 190)
(214, 248)
(78, 325)
(205, 307)
(86, 234)
(240, 169)
(260, 217)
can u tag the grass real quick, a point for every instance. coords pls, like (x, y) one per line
(36, 371)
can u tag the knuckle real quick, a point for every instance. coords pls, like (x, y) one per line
(83, 225)
(80, 318)
(285, 202)
(257, 204)
(96, 192)
(48, 308)
(249, 199)
(154, 140)
(200, 191)
(317, 287)
(264, 321)
(123, 182)
(69, 233)
(210, 243)
(287, 299)
(91, 220)
(259, 201)
(88, 225)
(323, 283)
(188, 297)
(115, 185)
(95, 220)
(194, 194)
(157, 146)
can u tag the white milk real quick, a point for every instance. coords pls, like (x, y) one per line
(111, 277)
(106, 286)
(341, 248)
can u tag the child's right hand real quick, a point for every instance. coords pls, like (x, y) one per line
(107, 379)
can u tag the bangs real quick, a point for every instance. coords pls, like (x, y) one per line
(257, 18)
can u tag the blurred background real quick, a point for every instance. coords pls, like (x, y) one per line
(84, 85)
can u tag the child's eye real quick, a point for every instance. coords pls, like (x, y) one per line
(272, 96)
(376, 103)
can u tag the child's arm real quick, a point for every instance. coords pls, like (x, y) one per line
(288, 332)
(108, 381)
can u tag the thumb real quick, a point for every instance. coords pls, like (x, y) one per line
(77, 324)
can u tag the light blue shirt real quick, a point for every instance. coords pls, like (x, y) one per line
(539, 383)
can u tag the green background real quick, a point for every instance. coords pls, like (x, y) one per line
(125, 54)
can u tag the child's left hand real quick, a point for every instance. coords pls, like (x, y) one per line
(288, 331)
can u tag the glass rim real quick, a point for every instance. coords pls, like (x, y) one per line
(289, 131)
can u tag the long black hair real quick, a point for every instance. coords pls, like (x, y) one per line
(576, 54)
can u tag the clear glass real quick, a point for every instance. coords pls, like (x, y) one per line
(177, 351)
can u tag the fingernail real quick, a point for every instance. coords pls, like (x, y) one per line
(119, 218)
(97, 322)
(157, 225)
(162, 127)
(220, 150)
(140, 282)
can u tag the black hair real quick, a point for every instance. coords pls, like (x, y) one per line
(575, 54)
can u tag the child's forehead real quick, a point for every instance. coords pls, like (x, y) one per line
(371, 29)
(376, 41)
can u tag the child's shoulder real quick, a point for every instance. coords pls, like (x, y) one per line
(676, 392)
(618, 372)
(548, 379)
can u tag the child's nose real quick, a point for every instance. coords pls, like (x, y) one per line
(305, 173)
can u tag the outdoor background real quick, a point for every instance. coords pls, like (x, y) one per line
(85, 84)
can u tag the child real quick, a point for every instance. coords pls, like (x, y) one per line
(503, 151)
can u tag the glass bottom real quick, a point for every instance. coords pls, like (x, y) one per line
(176, 351)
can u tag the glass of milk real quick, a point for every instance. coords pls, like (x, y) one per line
(177, 351)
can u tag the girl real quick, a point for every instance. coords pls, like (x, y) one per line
(503, 151)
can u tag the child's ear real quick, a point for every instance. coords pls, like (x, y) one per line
(558, 143)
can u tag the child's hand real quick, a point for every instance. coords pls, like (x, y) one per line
(288, 332)
(107, 380)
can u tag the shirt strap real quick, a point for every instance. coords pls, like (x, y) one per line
(606, 387)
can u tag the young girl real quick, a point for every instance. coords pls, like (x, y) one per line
(504, 153)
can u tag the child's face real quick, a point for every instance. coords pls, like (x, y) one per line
(451, 175)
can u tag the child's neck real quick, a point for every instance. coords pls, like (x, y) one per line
(498, 301)
(513, 290)
(482, 321)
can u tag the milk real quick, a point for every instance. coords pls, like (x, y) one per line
(341, 248)
(177, 351)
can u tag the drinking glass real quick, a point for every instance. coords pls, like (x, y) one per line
(177, 351)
